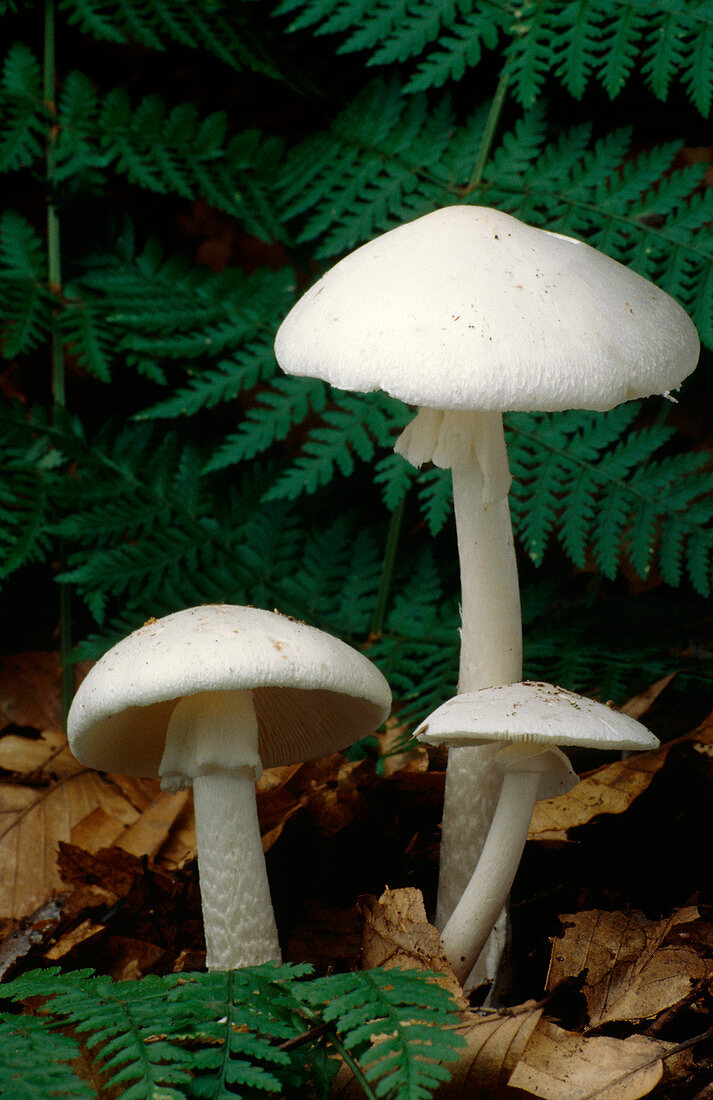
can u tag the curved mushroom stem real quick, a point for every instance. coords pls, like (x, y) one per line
(468, 928)
(212, 740)
(235, 893)
(472, 444)
(491, 654)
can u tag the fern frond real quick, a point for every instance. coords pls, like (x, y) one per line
(276, 413)
(336, 577)
(219, 1034)
(23, 117)
(253, 363)
(578, 42)
(28, 462)
(371, 171)
(606, 493)
(392, 1023)
(395, 475)
(350, 429)
(217, 27)
(37, 1061)
(24, 294)
(459, 50)
(155, 312)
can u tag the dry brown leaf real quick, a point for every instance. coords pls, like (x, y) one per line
(80, 934)
(495, 1043)
(397, 933)
(608, 790)
(32, 822)
(632, 973)
(151, 830)
(559, 1065)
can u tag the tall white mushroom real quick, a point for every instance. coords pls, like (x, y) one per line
(467, 312)
(526, 723)
(208, 697)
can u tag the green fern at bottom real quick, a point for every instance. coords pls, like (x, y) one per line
(247, 1033)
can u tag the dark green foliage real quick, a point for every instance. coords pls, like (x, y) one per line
(218, 27)
(35, 1061)
(575, 42)
(244, 1033)
(187, 467)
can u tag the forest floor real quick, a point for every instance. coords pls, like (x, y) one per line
(607, 989)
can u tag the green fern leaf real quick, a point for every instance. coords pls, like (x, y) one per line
(36, 1061)
(665, 50)
(392, 1022)
(270, 420)
(370, 172)
(24, 294)
(23, 118)
(579, 45)
(436, 497)
(458, 51)
(353, 427)
(621, 46)
(87, 335)
(531, 56)
(220, 29)
(395, 475)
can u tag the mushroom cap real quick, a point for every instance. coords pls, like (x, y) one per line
(469, 308)
(532, 711)
(313, 694)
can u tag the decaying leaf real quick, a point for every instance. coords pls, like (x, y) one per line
(559, 1065)
(633, 971)
(608, 790)
(495, 1043)
(397, 933)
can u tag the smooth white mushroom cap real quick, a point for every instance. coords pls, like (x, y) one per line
(469, 308)
(313, 694)
(536, 712)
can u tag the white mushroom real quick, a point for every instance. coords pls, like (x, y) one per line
(467, 312)
(533, 719)
(209, 696)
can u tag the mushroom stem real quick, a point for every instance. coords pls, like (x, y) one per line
(237, 908)
(212, 741)
(468, 928)
(491, 653)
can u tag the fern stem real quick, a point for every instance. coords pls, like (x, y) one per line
(54, 271)
(491, 125)
(352, 1064)
(387, 569)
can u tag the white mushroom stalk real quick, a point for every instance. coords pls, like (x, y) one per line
(526, 776)
(472, 445)
(212, 744)
(532, 718)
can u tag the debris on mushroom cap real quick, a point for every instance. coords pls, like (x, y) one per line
(533, 711)
(329, 696)
(469, 308)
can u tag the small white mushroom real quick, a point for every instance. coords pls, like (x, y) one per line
(532, 718)
(208, 697)
(468, 312)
